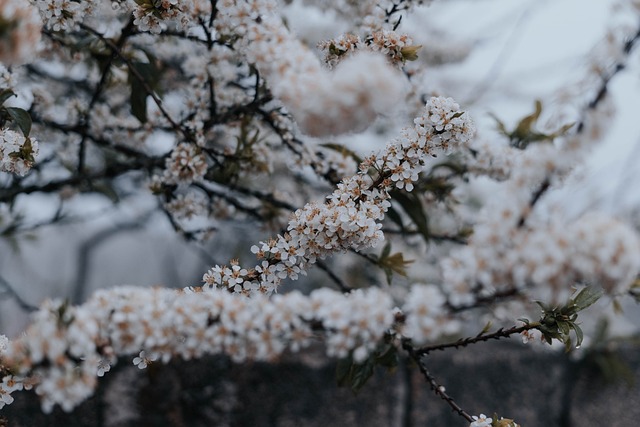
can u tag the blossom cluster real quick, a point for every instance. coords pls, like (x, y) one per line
(17, 152)
(8, 384)
(65, 348)
(323, 103)
(513, 246)
(186, 164)
(350, 217)
(156, 16)
(64, 15)
(397, 47)
(427, 317)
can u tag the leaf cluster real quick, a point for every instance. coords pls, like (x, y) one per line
(558, 322)
(392, 263)
(526, 132)
(355, 375)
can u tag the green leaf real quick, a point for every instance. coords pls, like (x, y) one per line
(563, 130)
(587, 297)
(361, 374)
(579, 334)
(397, 263)
(501, 126)
(385, 251)
(617, 307)
(388, 358)
(410, 53)
(21, 118)
(392, 263)
(354, 375)
(150, 72)
(343, 371)
(412, 205)
(138, 97)
(6, 94)
(487, 327)
(564, 328)
(395, 217)
(525, 125)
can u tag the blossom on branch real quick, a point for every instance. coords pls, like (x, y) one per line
(17, 152)
(350, 217)
(323, 103)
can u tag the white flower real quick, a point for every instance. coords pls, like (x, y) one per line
(143, 360)
(481, 421)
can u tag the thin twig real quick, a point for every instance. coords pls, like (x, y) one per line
(18, 299)
(481, 337)
(437, 388)
(337, 280)
(142, 81)
(602, 91)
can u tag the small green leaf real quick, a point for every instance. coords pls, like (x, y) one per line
(361, 374)
(388, 358)
(385, 251)
(617, 307)
(564, 328)
(501, 126)
(587, 297)
(138, 98)
(5, 94)
(150, 72)
(410, 53)
(579, 334)
(21, 118)
(525, 125)
(343, 371)
(395, 217)
(487, 327)
(412, 205)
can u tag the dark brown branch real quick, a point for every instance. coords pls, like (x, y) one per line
(337, 280)
(481, 337)
(116, 49)
(8, 289)
(534, 199)
(603, 89)
(438, 389)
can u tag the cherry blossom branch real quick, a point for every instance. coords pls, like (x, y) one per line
(349, 219)
(65, 346)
